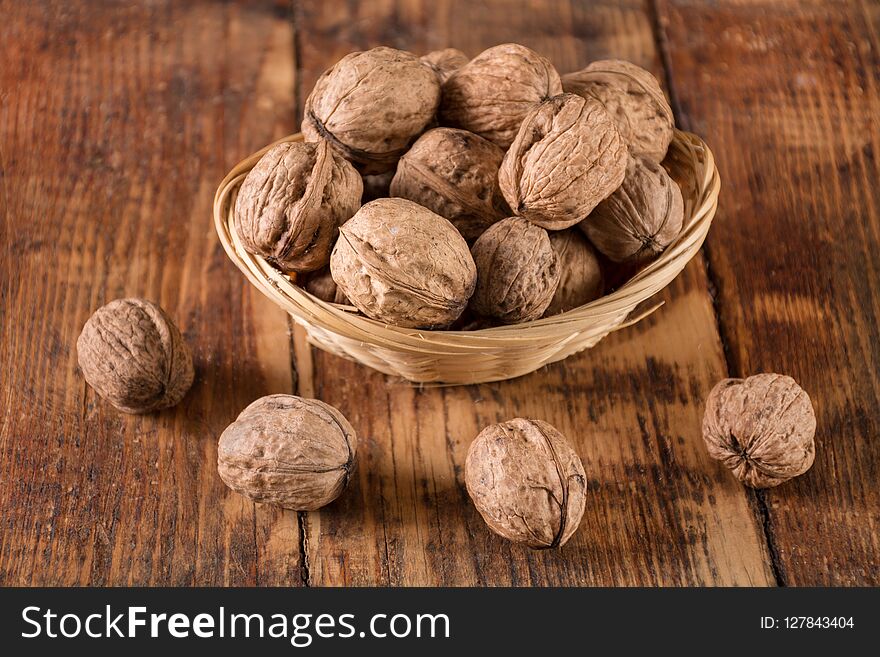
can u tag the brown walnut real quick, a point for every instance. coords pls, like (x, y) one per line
(761, 428)
(292, 202)
(517, 271)
(492, 93)
(567, 156)
(581, 278)
(371, 105)
(293, 452)
(132, 354)
(455, 174)
(527, 482)
(445, 62)
(634, 98)
(641, 218)
(400, 263)
(321, 284)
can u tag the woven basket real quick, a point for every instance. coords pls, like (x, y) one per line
(493, 354)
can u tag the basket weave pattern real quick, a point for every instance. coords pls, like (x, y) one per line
(493, 354)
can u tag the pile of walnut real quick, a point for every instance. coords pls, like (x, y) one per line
(495, 190)
(514, 210)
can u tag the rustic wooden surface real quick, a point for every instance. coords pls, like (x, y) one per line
(117, 123)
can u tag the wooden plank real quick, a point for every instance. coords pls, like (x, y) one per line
(788, 95)
(659, 511)
(116, 125)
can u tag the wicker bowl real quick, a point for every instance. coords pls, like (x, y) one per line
(493, 354)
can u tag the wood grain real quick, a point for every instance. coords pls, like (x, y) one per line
(659, 511)
(788, 95)
(116, 124)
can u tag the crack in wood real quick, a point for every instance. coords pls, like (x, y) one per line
(733, 369)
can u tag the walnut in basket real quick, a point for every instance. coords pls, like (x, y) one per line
(493, 92)
(291, 203)
(371, 105)
(640, 219)
(634, 98)
(761, 428)
(581, 279)
(400, 263)
(132, 354)
(445, 62)
(285, 450)
(567, 156)
(517, 271)
(455, 174)
(527, 482)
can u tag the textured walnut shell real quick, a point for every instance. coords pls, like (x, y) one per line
(132, 354)
(371, 105)
(761, 428)
(527, 482)
(400, 263)
(641, 218)
(517, 271)
(581, 279)
(293, 452)
(634, 98)
(455, 174)
(292, 202)
(492, 93)
(567, 156)
(322, 285)
(445, 62)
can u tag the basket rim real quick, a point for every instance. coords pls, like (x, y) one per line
(616, 306)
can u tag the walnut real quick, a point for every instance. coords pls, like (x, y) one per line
(322, 285)
(400, 263)
(285, 450)
(371, 105)
(292, 202)
(527, 482)
(567, 156)
(376, 186)
(761, 428)
(492, 93)
(639, 220)
(455, 174)
(517, 271)
(132, 354)
(634, 98)
(445, 62)
(581, 278)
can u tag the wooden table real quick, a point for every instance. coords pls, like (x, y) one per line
(117, 122)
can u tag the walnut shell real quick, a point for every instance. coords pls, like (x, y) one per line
(581, 278)
(132, 354)
(322, 285)
(371, 105)
(761, 428)
(527, 482)
(567, 156)
(400, 263)
(285, 450)
(492, 93)
(641, 218)
(292, 202)
(634, 98)
(517, 271)
(445, 62)
(455, 174)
